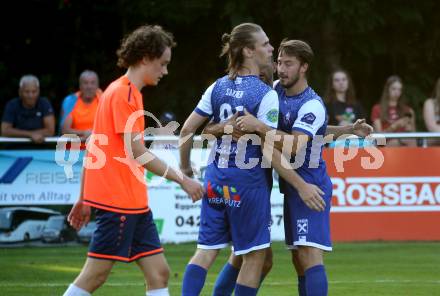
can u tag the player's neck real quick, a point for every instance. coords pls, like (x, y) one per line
(135, 76)
(248, 69)
(297, 88)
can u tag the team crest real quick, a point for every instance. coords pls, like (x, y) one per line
(308, 118)
(302, 226)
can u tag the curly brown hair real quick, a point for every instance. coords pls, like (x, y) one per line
(146, 41)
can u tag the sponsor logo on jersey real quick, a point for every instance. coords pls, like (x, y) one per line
(227, 195)
(308, 118)
(272, 115)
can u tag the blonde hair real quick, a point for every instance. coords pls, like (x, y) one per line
(240, 37)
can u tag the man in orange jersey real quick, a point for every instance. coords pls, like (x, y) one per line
(125, 228)
(79, 109)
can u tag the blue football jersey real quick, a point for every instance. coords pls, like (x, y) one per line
(238, 163)
(306, 113)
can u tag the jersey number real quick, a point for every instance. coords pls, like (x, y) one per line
(226, 111)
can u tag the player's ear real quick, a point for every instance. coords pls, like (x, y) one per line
(304, 67)
(247, 52)
(145, 60)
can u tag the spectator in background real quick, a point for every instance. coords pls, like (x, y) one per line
(392, 115)
(340, 97)
(168, 127)
(78, 109)
(166, 118)
(29, 115)
(431, 113)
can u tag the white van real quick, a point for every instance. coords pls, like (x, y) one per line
(19, 224)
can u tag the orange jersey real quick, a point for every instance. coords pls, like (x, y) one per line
(83, 114)
(115, 186)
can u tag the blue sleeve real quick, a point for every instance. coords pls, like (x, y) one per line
(67, 107)
(9, 113)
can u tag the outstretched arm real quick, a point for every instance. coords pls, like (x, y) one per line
(296, 140)
(187, 132)
(360, 128)
(152, 163)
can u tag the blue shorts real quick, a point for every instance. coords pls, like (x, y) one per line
(304, 226)
(124, 237)
(237, 214)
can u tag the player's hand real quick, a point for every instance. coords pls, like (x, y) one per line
(193, 188)
(248, 123)
(236, 131)
(312, 197)
(37, 137)
(219, 129)
(79, 215)
(361, 128)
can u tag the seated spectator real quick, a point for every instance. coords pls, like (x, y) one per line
(166, 118)
(167, 126)
(392, 115)
(29, 115)
(340, 97)
(78, 109)
(431, 113)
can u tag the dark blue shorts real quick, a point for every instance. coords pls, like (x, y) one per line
(304, 226)
(240, 215)
(124, 237)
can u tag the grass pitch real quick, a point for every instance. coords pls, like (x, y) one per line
(375, 268)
